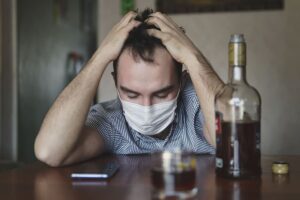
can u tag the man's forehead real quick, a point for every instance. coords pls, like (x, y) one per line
(140, 75)
(160, 57)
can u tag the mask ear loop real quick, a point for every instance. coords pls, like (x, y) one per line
(179, 90)
(118, 92)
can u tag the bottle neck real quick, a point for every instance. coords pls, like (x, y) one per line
(237, 74)
(237, 60)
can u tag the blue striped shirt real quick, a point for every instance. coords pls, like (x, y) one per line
(186, 129)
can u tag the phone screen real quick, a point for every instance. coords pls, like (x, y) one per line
(94, 171)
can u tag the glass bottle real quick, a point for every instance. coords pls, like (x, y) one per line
(238, 116)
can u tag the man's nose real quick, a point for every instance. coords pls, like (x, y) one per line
(147, 101)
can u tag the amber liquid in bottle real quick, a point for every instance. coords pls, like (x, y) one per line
(238, 111)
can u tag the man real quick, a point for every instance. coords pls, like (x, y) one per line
(157, 106)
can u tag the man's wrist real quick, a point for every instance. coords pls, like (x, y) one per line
(99, 60)
(196, 61)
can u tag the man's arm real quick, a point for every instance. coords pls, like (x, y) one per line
(206, 82)
(207, 85)
(63, 138)
(63, 125)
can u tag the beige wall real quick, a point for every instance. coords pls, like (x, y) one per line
(273, 66)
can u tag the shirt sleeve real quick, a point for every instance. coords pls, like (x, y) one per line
(99, 119)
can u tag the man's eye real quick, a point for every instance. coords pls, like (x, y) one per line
(161, 96)
(132, 96)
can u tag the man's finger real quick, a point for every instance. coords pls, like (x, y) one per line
(168, 20)
(127, 18)
(160, 35)
(159, 24)
(126, 29)
(131, 25)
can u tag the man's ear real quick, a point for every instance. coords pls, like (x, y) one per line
(114, 75)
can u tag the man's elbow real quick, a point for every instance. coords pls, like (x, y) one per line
(45, 155)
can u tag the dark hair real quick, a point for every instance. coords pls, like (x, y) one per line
(143, 45)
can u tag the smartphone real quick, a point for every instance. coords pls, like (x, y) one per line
(104, 172)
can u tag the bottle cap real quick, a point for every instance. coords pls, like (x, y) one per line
(280, 167)
(237, 38)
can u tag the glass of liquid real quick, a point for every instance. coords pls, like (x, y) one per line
(173, 175)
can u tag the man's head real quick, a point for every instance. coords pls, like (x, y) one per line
(145, 73)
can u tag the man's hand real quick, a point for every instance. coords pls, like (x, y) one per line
(173, 37)
(206, 82)
(111, 46)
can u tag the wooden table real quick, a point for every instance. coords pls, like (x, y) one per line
(37, 181)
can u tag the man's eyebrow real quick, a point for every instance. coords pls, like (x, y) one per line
(165, 89)
(125, 89)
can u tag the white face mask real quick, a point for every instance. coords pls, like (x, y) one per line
(149, 120)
